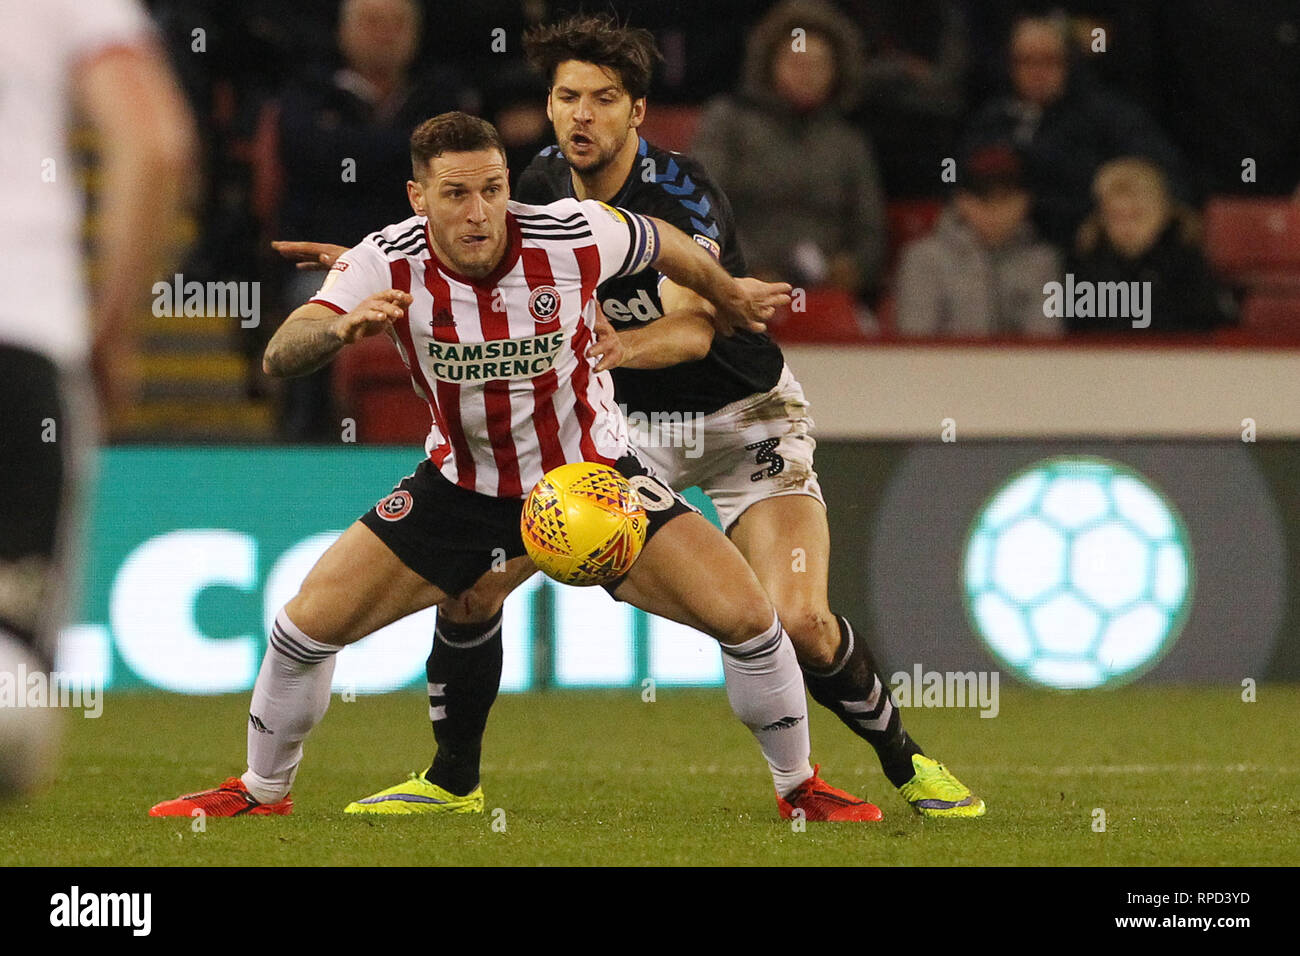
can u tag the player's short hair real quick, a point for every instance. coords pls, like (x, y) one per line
(453, 132)
(628, 51)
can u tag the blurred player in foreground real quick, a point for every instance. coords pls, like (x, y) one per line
(469, 268)
(753, 457)
(57, 56)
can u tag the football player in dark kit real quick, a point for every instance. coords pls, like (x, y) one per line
(722, 413)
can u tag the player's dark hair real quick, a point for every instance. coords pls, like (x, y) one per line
(628, 51)
(451, 133)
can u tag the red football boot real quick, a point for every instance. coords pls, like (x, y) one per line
(820, 801)
(231, 799)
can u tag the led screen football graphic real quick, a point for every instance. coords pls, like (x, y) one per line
(1078, 573)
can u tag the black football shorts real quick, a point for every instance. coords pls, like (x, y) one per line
(451, 536)
(34, 433)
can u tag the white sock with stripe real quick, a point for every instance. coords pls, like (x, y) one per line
(290, 697)
(765, 689)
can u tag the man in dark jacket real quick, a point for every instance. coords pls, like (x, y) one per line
(343, 145)
(1066, 126)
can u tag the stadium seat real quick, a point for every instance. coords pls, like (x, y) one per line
(829, 317)
(671, 127)
(1274, 314)
(373, 388)
(1254, 242)
(887, 316)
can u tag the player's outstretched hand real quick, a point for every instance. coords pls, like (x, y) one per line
(608, 348)
(372, 316)
(309, 255)
(753, 303)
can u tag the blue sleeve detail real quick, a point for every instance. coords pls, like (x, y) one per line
(685, 189)
(700, 208)
(710, 229)
(701, 219)
(668, 179)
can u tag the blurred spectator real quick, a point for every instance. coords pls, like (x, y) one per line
(913, 98)
(699, 58)
(1129, 62)
(1139, 233)
(1066, 126)
(982, 271)
(232, 58)
(343, 133)
(1231, 75)
(344, 156)
(514, 101)
(801, 179)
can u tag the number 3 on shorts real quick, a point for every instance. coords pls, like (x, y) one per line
(765, 454)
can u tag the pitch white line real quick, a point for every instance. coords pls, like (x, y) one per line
(1030, 769)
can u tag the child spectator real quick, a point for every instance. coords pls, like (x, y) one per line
(1138, 233)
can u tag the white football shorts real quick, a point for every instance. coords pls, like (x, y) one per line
(756, 448)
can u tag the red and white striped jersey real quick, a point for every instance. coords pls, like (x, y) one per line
(502, 360)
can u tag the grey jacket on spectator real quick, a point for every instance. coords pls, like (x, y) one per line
(950, 284)
(797, 179)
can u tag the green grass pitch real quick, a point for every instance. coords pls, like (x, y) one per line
(1185, 776)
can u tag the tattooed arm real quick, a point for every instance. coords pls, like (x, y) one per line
(313, 333)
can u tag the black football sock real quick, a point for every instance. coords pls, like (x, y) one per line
(464, 671)
(853, 690)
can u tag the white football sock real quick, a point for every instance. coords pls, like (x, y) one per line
(290, 697)
(765, 689)
(29, 736)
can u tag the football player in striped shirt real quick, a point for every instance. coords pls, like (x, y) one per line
(757, 454)
(492, 305)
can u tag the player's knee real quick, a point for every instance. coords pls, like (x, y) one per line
(749, 621)
(813, 631)
(474, 606)
(307, 610)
